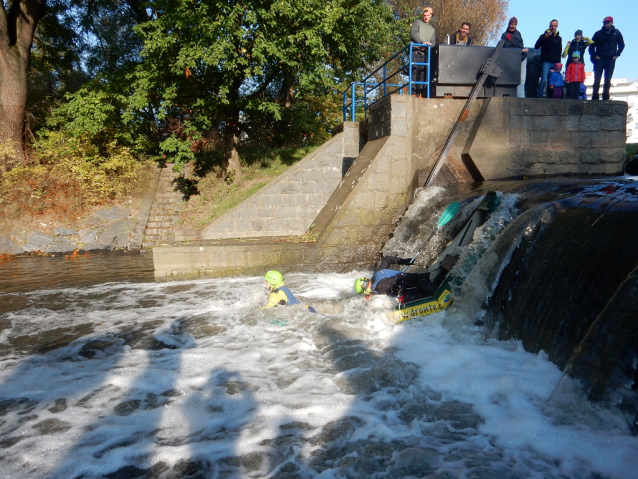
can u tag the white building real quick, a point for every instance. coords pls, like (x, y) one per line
(624, 90)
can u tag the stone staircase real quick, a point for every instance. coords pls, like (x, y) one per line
(167, 203)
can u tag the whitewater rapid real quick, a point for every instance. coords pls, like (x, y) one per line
(192, 374)
(192, 379)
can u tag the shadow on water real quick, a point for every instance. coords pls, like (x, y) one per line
(27, 407)
(377, 381)
(120, 444)
(220, 411)
(557, 272)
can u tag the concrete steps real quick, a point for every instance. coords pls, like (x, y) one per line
(167, 203)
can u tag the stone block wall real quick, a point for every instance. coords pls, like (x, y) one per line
(289, 204)
(518, 138)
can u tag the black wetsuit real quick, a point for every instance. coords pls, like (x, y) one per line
(405, 286)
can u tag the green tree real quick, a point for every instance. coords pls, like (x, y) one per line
(211, 64)
(98, 107)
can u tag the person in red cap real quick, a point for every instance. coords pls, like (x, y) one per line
(608, 45)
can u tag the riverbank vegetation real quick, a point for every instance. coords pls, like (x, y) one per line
(238, 91)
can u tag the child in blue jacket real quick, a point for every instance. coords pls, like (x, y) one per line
(556, 81)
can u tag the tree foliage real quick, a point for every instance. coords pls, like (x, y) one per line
(182, 77)
(216, 64)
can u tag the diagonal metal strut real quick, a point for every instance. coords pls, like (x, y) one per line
(488, 69)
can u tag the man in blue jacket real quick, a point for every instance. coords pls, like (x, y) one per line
(608, 45)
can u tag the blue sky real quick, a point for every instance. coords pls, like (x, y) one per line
(586, 15)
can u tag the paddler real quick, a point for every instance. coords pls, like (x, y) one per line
(403, 286)
(279, 294)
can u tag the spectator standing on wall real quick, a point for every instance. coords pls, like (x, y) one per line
(424, 33)
(556, 82)
(513, 39)
(607, 45)
(462, 36)
(574, 77)
(551, 46)
(578, 44)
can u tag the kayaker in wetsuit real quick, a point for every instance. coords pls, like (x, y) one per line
(403, 286)
(279, 294)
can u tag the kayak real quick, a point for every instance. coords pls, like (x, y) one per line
(440, 301)
(442, 298)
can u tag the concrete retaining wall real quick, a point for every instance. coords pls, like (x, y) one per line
(289, 204)
(513, 138)
(502, 138)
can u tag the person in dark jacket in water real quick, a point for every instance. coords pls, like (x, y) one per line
(403, 286)
(279, 294)
(607, 45)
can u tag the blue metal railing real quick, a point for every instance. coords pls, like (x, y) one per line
(361, 91)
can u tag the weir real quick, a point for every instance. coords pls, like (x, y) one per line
(335, 209)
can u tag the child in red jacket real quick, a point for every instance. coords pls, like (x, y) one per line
(574, 76)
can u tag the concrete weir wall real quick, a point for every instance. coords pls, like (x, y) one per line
(398, 144)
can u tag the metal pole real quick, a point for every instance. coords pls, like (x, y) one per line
(410, 69)
(429, 62)
(345, 105)
(365, 99)
(384, 78)
(354, 103)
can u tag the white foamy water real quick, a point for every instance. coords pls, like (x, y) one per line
(191, 379)
(247, 393)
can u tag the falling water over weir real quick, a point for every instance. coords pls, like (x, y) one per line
(107, 374)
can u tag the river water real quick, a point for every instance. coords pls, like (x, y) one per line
(105, 373)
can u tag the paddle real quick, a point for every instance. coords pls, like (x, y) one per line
(445, 218)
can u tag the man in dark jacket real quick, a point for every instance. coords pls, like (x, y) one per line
(608, 45)
(462, 36)
(403, 286)
(551, 47)
(421, 32)
(513, 39)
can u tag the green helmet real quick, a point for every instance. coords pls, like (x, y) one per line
(360, 285)
(274, 279)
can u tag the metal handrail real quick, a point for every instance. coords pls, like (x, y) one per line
(370, 86)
